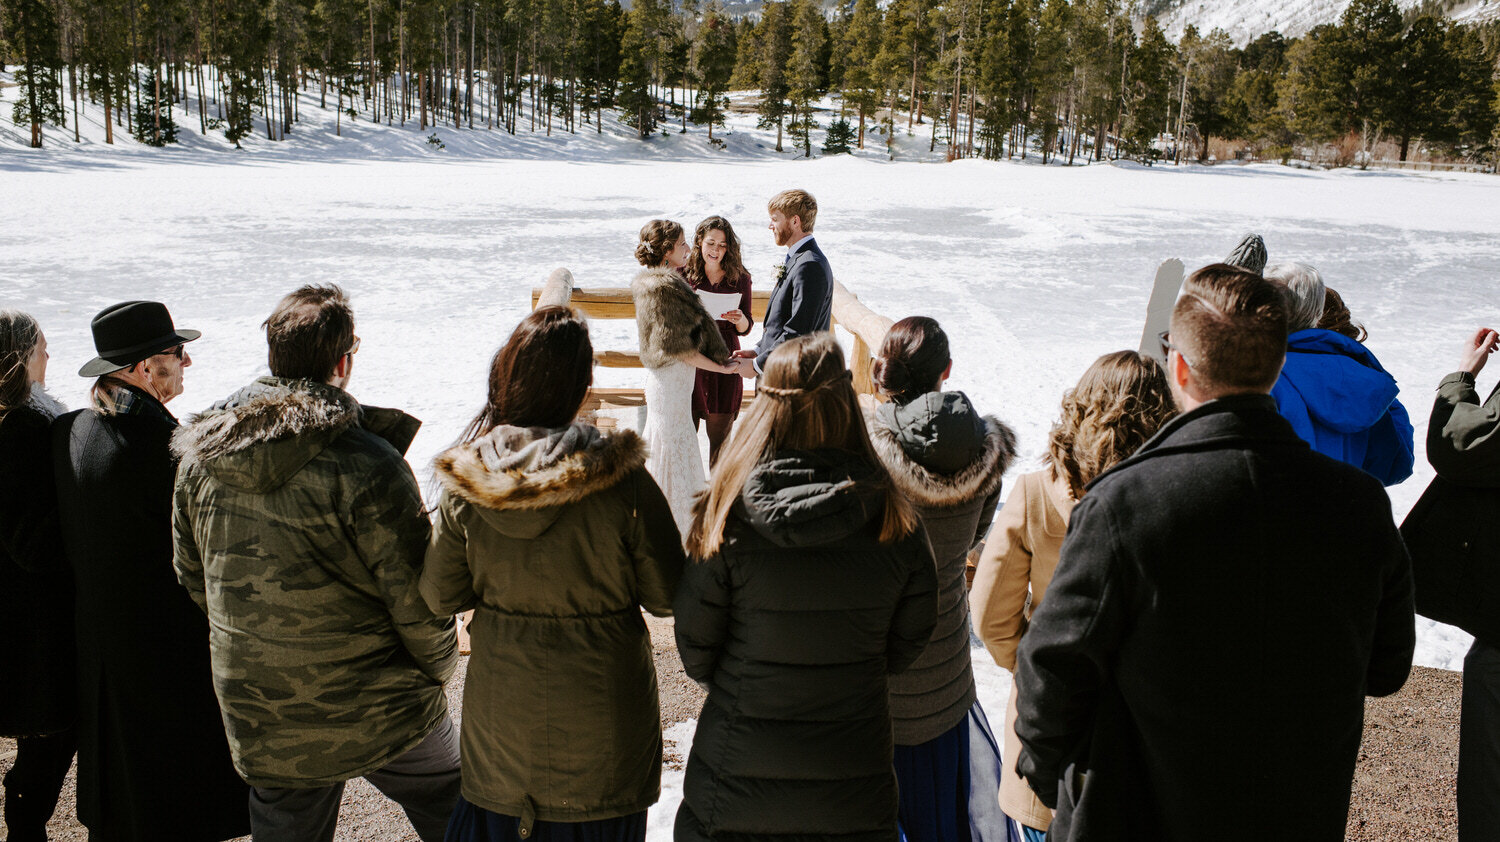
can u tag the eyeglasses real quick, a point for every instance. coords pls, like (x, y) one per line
(1166, 345)
(353, 349)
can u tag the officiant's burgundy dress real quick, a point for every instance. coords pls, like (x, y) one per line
(721, 394)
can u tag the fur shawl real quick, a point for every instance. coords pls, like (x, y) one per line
(926, 488)
(518, 468)
(672, 320)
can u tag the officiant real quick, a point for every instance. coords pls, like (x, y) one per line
(715, 267)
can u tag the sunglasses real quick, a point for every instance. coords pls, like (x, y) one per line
(1164, 338)
(176, 351)
(353, 349)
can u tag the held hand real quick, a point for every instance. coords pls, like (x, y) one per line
(736, 318)
(1477, 351)
(744, 354)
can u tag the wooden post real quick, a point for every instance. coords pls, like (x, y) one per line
(869, 329)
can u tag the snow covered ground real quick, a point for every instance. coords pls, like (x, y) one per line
(1034, 271)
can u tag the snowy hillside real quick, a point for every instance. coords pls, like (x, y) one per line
(1246, 19)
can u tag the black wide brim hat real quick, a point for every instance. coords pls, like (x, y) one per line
(126, 333)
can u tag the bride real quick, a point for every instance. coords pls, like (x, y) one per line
(677, 337)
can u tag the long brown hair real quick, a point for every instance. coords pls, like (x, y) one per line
(733, 265)
(806, 401)
(19, 335)
(540, 376)
(1119, 403)
(912, 359)
(1337, 318)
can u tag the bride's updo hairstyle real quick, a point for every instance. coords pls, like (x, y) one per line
(912, 359)
(657, 239)
(805, 401)
(540, 376)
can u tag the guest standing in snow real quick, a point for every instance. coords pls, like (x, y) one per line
(1456, 520)
(300, 531)
(1118, 404)
(557, 538)
(948, 459)
(678, 337)
(802, 300)
(1225, 600)
(811, 581)
(715, 266)
(36, 595)
(1333, 390)
(153, 761)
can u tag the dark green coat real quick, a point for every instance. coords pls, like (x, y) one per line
(948, 459)
(301, 533)
(794, 626)
(557, 539)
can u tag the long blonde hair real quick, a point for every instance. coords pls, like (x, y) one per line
(1119, 403)
(806, 401)
(19, 335)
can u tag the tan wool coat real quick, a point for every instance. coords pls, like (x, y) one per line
(1012, 578)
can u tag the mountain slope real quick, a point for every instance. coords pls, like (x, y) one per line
(1245, 19)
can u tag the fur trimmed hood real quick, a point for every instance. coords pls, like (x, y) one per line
(672, 320)
(264, 434)
(917, 441)
(517, 468)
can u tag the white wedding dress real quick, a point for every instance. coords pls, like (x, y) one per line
(673, 460)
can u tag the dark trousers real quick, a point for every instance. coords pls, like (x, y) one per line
(33, 784)
(1479, 746)
(424, 781)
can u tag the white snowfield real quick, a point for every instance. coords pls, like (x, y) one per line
(1245, 20)
(1034, 271)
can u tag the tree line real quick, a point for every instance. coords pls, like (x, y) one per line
(991, 78)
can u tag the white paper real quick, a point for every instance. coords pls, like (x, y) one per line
(719, 303)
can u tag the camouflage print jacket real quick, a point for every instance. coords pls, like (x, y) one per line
(301, 533)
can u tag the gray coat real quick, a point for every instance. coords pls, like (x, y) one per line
(949, 460)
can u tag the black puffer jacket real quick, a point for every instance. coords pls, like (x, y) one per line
(794, 626)
(948, 459)
(36, 592)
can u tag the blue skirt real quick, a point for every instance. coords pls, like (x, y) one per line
(476, 824)
(949, 785)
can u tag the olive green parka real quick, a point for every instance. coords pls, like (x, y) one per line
(557, 538)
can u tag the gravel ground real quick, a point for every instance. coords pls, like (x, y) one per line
(1403, 786)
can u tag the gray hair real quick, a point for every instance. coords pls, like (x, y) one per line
(19, 335)
(1304, 291)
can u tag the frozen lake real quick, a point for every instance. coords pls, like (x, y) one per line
(1033, 271)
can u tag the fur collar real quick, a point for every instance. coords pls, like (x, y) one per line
(925, 488)
(535, 468)
(671, 320)
(269, 410)
(42, 401)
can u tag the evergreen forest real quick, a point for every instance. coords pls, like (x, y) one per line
(1062, 79)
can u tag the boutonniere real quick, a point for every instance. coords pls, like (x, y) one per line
(780, 272)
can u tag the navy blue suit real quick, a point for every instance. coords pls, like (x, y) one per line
(801, 303)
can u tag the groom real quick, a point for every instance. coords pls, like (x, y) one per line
(802, 301)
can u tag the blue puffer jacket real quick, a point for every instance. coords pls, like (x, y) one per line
(1340, 401)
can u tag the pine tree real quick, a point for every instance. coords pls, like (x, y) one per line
(713, 62)
(154, 125)
(1211, 70)
(31, 27)
(774, 35)
(1471, 99)
(804, 81)
(840, 135)
(640, 52)
(1148, 93)
(861, 53)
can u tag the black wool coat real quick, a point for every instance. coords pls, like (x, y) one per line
(36, 594)
(794, 626)
(1225, 600)
(153, 761)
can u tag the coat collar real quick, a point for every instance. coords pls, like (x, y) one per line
(1227, 422)
(534, 468)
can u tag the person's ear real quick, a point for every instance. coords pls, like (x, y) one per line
(343, 367)
(947, 372)
(1180, 372)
